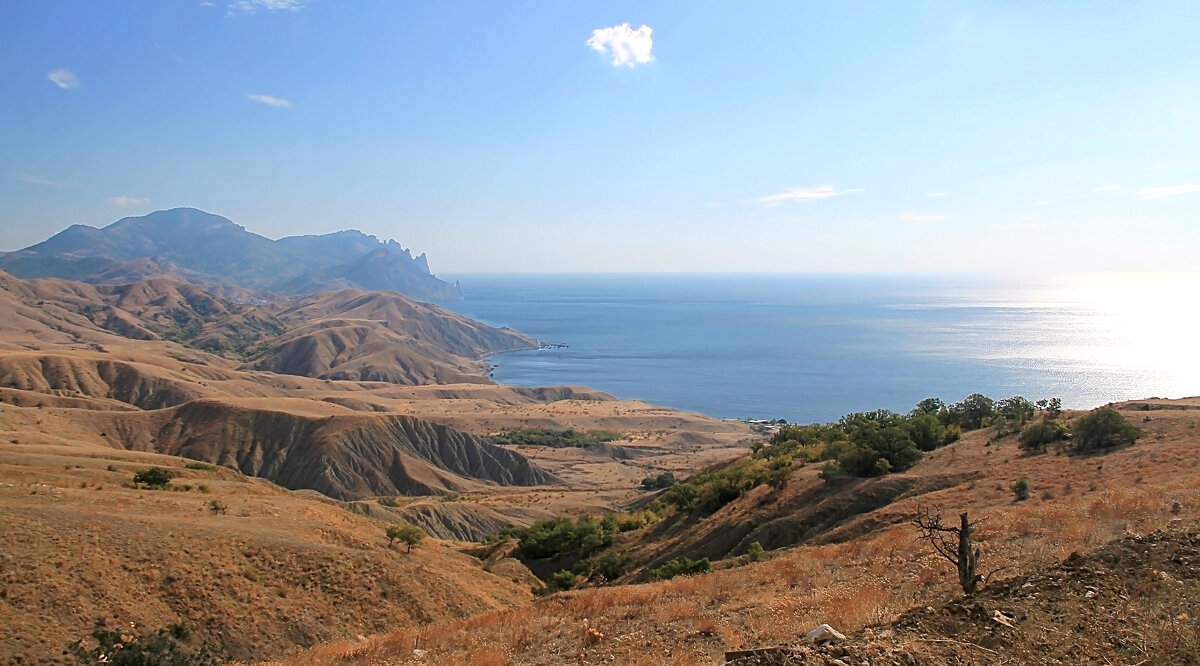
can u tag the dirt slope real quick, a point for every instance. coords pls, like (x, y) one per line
(273, 573)
(1133, 601)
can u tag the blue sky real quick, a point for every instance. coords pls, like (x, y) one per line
(761, 136)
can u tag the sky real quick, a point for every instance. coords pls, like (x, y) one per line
(622, 136)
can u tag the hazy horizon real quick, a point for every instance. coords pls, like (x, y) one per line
(622, 137)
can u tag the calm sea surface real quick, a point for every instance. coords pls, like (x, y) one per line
(813, 347)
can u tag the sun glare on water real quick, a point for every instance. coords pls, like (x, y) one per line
(1137, 329)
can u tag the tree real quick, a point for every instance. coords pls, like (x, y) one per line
(953, 544)
(1102, 429)
(931, 406)
(411, 535)
(926, 431)
(154, 477)
(1037, 436)
(974, 410)
(1016, 410)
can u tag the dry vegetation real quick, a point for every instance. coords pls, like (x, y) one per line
(1078, 504)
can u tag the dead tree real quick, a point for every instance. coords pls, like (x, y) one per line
(952, 543)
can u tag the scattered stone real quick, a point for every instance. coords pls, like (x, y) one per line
(825, 634)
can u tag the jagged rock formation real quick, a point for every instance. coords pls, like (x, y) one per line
(195, 246)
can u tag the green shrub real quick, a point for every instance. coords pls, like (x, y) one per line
(755, 551)
(683, 495)
(682, 566)
(664, 480)
(164, 647)
(1020, 488)
(1040, 435)
(203, 466)
(154, 477)
(603, 568)
(391, 502)
(1102, 429)
(560, 580)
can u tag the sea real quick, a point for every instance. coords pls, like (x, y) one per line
(812, 347)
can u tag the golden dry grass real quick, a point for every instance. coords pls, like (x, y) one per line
(867, 581)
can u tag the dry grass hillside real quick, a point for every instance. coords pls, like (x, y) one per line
(867, 568)
(271, 572)
(98, 382)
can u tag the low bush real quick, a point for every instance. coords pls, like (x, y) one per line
(681, 566)
(1102, 429)
(1038, 436)
(202, 466)
(154, 477)
(164, 647)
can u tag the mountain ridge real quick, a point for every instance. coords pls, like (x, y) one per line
(208, 249)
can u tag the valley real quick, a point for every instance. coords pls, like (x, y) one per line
(295, 430)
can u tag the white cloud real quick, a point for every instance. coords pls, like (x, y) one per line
(935, 195)
(276, 102)
(63, 78)
(1169, 190)
(806, 194)
(628, 47)
(251, 6)
(922, 218)
(37, 180)
(123, 200)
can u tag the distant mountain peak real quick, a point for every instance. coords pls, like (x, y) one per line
(207, 248)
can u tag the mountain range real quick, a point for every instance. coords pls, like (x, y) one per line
(191, 245)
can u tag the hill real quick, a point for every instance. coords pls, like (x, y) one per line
(350, 334)
(194, 246)
(1098, 565)
(269, 572)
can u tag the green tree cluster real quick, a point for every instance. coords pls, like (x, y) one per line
(580, 536)
(709, 491)
(681, 566)
(556, 438)
(664, 480)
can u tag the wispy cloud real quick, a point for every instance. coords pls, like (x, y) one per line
(627, 46)
(37, 180)
(269, 100)
(806, 194)
(1169, 190)
(935, 195)
(922, 218)
(123, 200)
(251, 6)
(63, 78)
(1108, 189)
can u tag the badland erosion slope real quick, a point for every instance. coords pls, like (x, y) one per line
(166, 366)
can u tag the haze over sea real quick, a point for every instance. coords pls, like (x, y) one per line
(813, 347)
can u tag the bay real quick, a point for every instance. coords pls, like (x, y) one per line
(812, 347)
